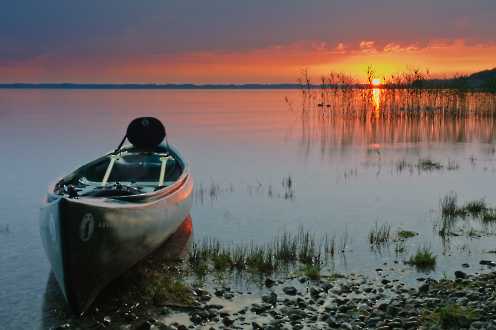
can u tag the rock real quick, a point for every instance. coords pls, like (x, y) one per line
(460, 274)
(269, 282)
(346, 326)
(227, 321)
(271, 298)
(487, 263)
(290, 290)
(196, 318)
(145, 325)
(424, 288)
(465, 265)
(260, 308)
(256, 326)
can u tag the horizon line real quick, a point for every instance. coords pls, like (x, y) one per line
(66, 85)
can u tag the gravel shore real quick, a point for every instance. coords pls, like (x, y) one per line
(351, 301)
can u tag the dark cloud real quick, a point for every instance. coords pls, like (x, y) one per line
(30, 28)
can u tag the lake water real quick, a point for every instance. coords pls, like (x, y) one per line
(350, 168)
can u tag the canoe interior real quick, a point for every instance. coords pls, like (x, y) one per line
(133, 172)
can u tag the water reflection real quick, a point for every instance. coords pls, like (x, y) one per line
(363, 117)
(376, 99)
(112, 301)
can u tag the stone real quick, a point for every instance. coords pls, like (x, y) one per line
(271, 298)
(290, 290)
(269, 282)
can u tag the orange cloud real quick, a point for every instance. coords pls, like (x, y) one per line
(279, 63)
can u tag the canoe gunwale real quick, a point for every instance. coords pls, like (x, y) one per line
(137, 198)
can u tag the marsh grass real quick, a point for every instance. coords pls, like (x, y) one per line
(423, 259)
(449, 207)
(284, 251)
(451, 213)
(489, 216)
(475, 208)
(312, 271)
(167, 290)
(451, 316)
(400, 247)
(379, 235)
(424, 165)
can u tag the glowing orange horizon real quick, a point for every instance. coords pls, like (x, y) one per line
(268, 65)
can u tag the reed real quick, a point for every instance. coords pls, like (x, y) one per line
(285, 250)
(379, 235)
(449, 207)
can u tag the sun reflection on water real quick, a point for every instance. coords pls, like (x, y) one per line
(376, 99)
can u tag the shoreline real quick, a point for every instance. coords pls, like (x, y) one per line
(340, 301)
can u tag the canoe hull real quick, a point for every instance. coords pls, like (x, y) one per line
(89, 242)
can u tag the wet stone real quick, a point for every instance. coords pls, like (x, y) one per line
(290, 290)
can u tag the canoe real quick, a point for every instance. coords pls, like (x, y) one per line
(104, 217)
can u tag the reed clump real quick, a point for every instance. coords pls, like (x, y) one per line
(285, 250)
(379, 235)
(475, 208)
(424, 259)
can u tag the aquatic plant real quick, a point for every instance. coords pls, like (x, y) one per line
(423, 259)
(284, 250)
(167, 290)
(379, 235)
(312, 271)
(489, 215)
(404, 234)
(475, 208)
(261, 259)
(449, 206)
(400, 247)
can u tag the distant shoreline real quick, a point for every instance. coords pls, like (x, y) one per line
(146, 86)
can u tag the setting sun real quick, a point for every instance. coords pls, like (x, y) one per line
(376, 82)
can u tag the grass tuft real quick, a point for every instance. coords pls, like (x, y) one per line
(423, 259)
(285, 249)
(379, 235)
(312, 271)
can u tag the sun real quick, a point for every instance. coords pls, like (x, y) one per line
(376, 82)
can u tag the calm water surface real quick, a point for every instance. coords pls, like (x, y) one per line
(242, 145)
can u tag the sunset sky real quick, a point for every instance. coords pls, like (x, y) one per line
(228, 41)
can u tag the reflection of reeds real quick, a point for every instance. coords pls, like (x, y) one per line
(341, 114)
